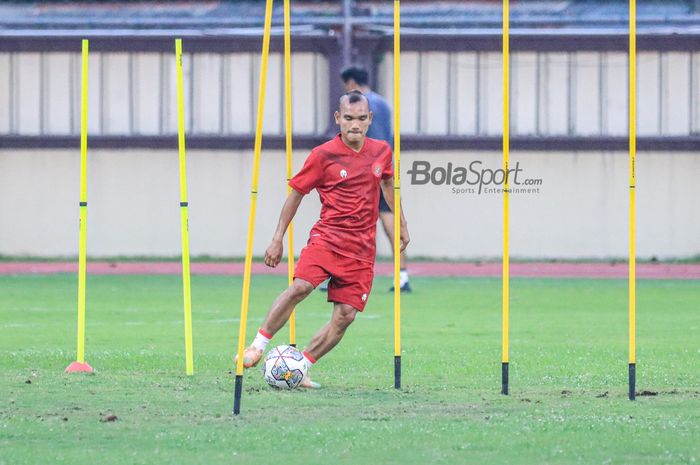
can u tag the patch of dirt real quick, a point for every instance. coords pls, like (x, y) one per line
(646, 393)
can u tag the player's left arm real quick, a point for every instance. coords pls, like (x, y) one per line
(387, 185)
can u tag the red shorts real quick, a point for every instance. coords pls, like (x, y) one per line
(351, 279)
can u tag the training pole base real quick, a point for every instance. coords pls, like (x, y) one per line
(237, 395)
(397, 372)
(77, 367)
(504, 378)
(633, 380)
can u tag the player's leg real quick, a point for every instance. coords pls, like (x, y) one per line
(310, 272)
(349, 291)
(328, 337)
(282, 307)
(387, 220)
(276, 318)
(332, 332)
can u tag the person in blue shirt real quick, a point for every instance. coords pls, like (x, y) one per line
(357, 78)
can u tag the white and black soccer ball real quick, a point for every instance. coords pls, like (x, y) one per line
(284, 367)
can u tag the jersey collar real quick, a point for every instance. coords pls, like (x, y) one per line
(350, 149)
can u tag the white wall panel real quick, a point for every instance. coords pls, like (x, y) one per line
(615, 120)
(695, 90)
(28, 91)
(147, 92)
(116, 98)
(322, 90)
(410, 83)
(554, 92)
(586, 100)
(208, 102)
(273, 112)
(435, 93)
(523, 93)
(491, 92)
(676, 93)
(58, 106)
(5, 93)
(240, 89)
(465, 93)
(304, 93)
(648, 94)
(96, 116)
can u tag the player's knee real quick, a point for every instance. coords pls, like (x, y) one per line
(300, 289)
(345, 315)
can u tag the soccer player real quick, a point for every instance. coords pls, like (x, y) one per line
(356, 78)
(347, 172)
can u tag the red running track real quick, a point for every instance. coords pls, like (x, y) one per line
(530, 270)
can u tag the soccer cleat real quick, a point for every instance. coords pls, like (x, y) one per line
(251, 357)
(405, 288)
(308, 384)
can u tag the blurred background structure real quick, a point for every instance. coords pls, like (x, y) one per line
(568, 114)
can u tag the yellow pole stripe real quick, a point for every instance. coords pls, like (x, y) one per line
(397, 177)
(181, 120)
(506, 148)
(253, 196)
(184, 220)
(633, 180)
(82, 242)
(288, 139)
(83, 122)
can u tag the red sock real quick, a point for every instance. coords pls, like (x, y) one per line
(309, 358)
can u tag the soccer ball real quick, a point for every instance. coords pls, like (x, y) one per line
(284, 367)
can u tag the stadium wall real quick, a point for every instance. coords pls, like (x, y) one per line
(560, 94)
(580, 210)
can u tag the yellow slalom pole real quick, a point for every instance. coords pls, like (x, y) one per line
(184, 221)
(253, 203)
(506, 223)
(397, 193)
(288, 132)
(633, 184)
(79, 365)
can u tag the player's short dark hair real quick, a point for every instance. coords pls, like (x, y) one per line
(354, 96)
(357, 74)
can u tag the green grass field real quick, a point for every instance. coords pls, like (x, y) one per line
(568, 401)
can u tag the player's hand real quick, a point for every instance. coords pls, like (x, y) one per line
(273, 254)
(405, 238)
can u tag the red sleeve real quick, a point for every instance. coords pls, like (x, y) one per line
(387, 162)
(310, 175)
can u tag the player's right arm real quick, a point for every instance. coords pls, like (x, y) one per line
(302, 183)
(273, 254)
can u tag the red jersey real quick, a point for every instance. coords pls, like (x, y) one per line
(348, 184)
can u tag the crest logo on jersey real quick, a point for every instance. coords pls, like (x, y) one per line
(343, 174)
(364, 297)
(377, 170)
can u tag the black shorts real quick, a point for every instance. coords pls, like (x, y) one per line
(383, 206)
